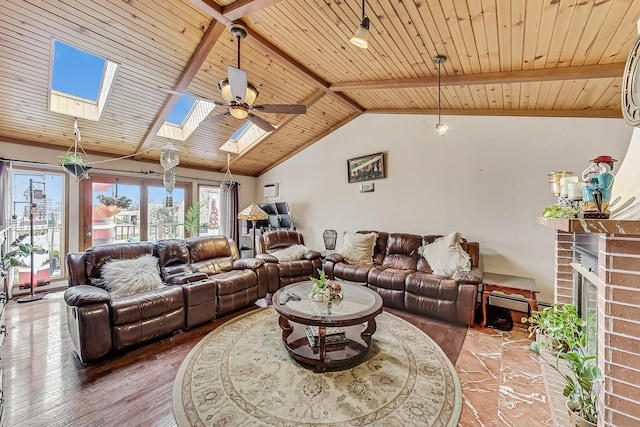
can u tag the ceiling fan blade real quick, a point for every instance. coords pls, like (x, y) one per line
(238, 83)
(281, 108)
(261, 123)
(216, 118)
(190, 95)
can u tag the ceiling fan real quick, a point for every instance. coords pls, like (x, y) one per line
(240, 94)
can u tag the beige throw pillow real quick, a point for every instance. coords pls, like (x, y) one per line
(358, 248)
(292, 253)
(446, 256)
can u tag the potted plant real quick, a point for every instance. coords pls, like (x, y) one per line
(323, 289)
(192, 219)
(560, 324)
(581, 385)
(17, 252)
(74, 164)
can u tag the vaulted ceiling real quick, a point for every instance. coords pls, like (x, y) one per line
(560, 58)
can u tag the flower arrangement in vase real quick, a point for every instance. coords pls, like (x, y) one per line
(324, 290)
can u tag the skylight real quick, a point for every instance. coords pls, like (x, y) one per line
(80, 82)
(185, 117)
(181, 110)
(247, 136)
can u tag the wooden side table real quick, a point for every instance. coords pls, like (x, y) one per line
(509, 285)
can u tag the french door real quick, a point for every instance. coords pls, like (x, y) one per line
(128, 209)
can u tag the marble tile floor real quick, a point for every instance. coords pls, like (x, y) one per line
(502, 382)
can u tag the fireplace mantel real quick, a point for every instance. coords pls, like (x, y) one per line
(607, 226)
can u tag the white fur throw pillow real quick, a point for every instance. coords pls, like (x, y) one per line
(292, 253)
(357, 248)
(131, 276)
(446, 256)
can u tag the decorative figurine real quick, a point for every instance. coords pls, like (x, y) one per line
(596, 193)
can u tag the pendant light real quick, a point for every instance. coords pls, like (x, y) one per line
(362, 33)
(440, 127)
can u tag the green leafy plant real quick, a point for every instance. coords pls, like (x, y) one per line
(558, 211)
(122, 202)
(17, 252)
(560, 323)
(319, 284)
(581, 386)
(74, 163)
(192, 219)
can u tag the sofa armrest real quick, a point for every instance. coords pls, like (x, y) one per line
(311, 254)
(247, 263)
(335, 257)
(182, 278)
(474, 276)
(85, 295)
(267, 258)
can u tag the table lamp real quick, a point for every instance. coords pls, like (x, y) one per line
(253, 213)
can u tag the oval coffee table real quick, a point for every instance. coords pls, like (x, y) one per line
(327, 335)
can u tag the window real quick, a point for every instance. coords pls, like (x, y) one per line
(38, 194)
(209, 198)
(80, 82)
(131, 210)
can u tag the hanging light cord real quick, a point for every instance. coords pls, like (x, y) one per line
(439, 91)
(363, 14)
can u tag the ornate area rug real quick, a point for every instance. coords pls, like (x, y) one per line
(241, 374)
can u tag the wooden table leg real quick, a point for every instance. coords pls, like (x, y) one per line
(485, 295)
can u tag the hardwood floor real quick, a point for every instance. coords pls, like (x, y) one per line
(47, 385)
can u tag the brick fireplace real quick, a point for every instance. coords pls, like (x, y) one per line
(618, 309)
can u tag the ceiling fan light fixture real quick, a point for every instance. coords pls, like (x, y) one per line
(225, 90)
(360, 38)
(238, 111)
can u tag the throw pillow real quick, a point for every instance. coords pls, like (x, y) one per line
(292, 253)
(130, 276)
(446, 256)
(357, 248)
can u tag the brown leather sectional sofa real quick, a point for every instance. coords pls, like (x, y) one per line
(204, 278)
(405, 280)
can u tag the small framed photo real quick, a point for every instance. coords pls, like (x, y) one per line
(366, 168)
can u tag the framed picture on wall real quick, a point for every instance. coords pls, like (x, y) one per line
(366, 168)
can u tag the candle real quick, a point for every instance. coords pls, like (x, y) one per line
(564, 184)
(574, 190)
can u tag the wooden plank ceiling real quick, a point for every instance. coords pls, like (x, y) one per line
(559, 58)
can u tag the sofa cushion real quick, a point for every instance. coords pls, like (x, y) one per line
(292, 253)
(131, 276)
(358, 248)
(402, 251)
(446, 256)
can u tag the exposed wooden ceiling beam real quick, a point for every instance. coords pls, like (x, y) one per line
(270, 48)
(582, 72)
(218, 13)
(605, 114)
(197, 59)
(241, 8)
(307, 102)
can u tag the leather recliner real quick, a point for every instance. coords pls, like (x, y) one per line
(289, 272)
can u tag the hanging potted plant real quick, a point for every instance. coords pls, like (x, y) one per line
(73, 163)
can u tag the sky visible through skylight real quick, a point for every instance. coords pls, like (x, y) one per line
(76, 72)
(180, 111)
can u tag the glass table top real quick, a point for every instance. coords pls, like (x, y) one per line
(356, 299)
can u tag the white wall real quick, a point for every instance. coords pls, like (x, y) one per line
(49, 158)
(487, 178)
